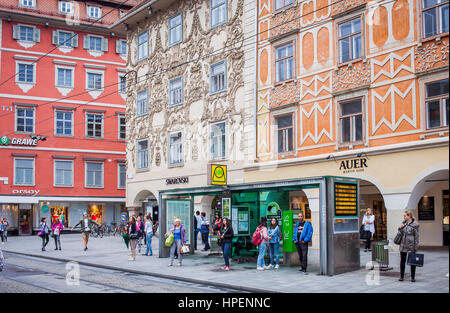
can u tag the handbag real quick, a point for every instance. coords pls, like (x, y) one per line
(398, 237)
(169, 240)
(415, 259)
(362, 232)
(184, 249)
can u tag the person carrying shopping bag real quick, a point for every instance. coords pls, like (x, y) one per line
(132, 231)
(57, 227)
(409, 243)
(179, 239)
(44, 232)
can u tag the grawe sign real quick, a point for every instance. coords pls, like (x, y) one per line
(5, 141)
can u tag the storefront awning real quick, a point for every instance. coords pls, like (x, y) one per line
(18, 199)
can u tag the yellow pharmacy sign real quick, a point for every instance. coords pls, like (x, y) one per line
(218, 174)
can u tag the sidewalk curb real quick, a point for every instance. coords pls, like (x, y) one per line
(159, 275)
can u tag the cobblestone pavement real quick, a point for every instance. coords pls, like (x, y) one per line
(202, 267)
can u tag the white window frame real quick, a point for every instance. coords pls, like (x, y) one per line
(96, 37)
(57, 68)
(285, 5)
(171, 42)
(59, 44)
(54, 173)
(211, 92)
(293, 115)
(60, 9)
(443, 116)
(119, 49)
(437, 22)
(138, 163)
(86, 125)
(72, 122)
(118, 176)
(15, 120)
(22, 5)
(27, 26)
(90, 71)
(86, 174)
(170, 91)
(145, 107)
(224, 157)
(120, 116)
(34, 171)
(88, 12)
(18, 75)
(361, 32)
(216, 7)
(120, 90)
(146, 46)
(353, 141)
(170, 149)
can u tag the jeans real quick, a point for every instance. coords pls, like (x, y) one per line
(149, 244)
(403, 256)
(273, 250)
(2, 235)
(57, 241)
(196, 231)
(205, 240)
(176, 245)
(262, 252)
(302, 250)
(226, 248)
(45, 240)
(139, 243)
(368, 236)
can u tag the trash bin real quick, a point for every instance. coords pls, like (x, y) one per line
(380, 253)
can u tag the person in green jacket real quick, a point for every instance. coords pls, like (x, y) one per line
(86, 226)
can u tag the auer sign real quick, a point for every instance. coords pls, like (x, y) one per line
(5, 141)
(353, 165)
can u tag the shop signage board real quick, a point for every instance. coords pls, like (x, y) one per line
(226, 204)
(345, 199)
(240, 220)
(288, 232)
(426, 209)
(353, 165)
(218, 174)
(5, 141)
(45, 208)
(177, 180)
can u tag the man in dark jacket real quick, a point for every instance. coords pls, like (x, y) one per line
(302, 235)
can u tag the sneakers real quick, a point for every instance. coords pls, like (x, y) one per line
(268, 267)
(224, 267)
(227, 268)
(131, 259)
(277, 266)
(260, 268)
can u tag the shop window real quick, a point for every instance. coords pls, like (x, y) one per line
(24, 172)
(25, 120)
(175, 29)
(349, 40)
(142, 102)
(64, 173)
(61, 213)
(142, 154)
(176, 148)
(218, 12)
(94, 125)
(285, 133)
(436, 103)
(282, 3)
(284, 62)
(351, 121)
(176, 91)
(94, 175)
(95, 213)
(218, 141)
(142, 46)
(435, 17)
(122, 127)
(218, 80)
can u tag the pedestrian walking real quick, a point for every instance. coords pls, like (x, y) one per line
(302, 235)
(44, 232)
(409, 242)
(133, 232)
(274, 244)
(179, 239)
(369, 228)
(4, 225)
(226, 237)
(149, 234)
(57, 227)
(205, 231)
(197, 227)
(86, 226)
(262, 231)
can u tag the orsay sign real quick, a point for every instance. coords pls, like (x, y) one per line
(5, 141)
(353, 165)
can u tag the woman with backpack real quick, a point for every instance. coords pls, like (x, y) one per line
(274, 243)
(133, 233)
(57, 227)
(261, 238)
(226, 238)
(44, 232)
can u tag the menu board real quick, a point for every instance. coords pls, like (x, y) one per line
(426, 209)
(345, 199)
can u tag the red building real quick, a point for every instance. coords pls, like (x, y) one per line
(62, 112)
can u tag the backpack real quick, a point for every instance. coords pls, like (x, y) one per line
(257, 237)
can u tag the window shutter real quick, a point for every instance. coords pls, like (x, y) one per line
(55, 37)
(16, 32)
(75, 41)
(118, 45)
(105, 44)
(37, 35)
(86, 42)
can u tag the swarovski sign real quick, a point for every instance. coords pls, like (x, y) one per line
(5, 141)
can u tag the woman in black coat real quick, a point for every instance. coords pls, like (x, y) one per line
(227, 238)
